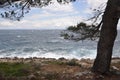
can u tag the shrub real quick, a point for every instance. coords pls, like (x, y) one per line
(14, 69)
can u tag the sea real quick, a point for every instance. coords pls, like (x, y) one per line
(47, 44)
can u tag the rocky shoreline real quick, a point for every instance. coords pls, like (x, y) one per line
(55, 69)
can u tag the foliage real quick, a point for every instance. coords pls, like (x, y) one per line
(16, 9)
(72, 28)
(81, 31)
(73, 63)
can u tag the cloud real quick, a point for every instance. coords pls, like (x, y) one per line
(4, 23)
(53, 16)
(45, 15)
(59, 22)
(118, 25)
(95, 3)
(56, 7)
(56, 23)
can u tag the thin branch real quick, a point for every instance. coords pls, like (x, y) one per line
(9, 2)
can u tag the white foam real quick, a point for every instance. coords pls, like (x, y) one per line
(53, 55)
(19, 36)
(75, 53)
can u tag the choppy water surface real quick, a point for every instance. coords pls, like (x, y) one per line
(46, 43)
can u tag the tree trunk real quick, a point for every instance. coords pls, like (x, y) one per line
(107, 38)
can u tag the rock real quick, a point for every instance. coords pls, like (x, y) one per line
(82, 73)
(89, 77)
(31, 77)
(99, 77)
(87, 60)
(62, 58)
(115, 68)
(85, 65)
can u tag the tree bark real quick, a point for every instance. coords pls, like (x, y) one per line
(107, 38)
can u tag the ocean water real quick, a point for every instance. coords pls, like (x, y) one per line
(48, 44)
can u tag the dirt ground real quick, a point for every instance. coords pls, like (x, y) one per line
(61, 69)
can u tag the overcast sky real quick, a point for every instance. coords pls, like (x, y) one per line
(54, 16)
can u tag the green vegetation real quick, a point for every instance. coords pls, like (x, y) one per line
(71, 62)
(81, 31)
(81, 26)
(78, 27)
(55, 62)
(72, 28)
(14, 69)
(65, 35)
(52, 69)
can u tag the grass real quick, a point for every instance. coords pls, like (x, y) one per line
(14, 69)
(55, 62)
(69, 63)
(52, 70)
(73, 63)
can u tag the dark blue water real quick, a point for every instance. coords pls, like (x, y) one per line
(46, 43)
